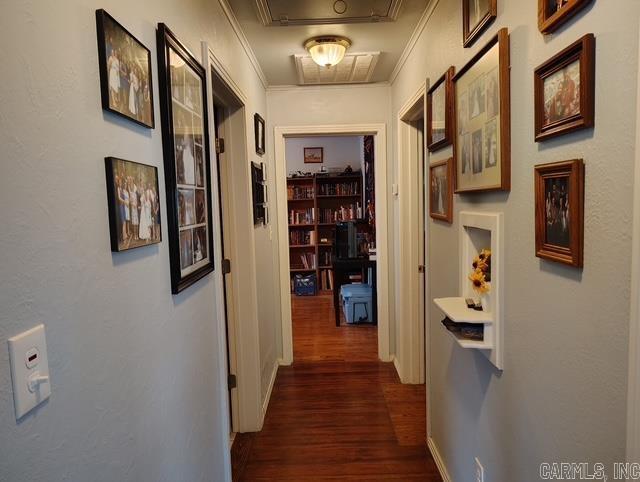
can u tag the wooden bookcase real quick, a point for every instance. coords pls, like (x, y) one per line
(312, 206)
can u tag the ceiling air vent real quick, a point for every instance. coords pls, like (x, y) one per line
(355, 68)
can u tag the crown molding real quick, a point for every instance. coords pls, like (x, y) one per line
(235, 25)
(309, 88)
(422, 23)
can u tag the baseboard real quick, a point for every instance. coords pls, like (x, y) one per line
(438, 460)
(267, 398)
(396, 364)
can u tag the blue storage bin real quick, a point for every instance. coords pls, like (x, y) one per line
(305, 285)
(357, 302)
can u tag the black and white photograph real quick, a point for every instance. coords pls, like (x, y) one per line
(125, 72)
(134, 204)
(199, 244)
(186, 207)
(557, 211)
(477, 97)
(490, 144)
(466, 153)
(186, 248)
(477, 11)
(477, 15)
(199, 165)
(493, 94)
(476, 151)
(463, 112)
(201, 207)
(441, 190)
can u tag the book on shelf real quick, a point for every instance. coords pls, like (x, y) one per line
(302, 216)
(308, 260)
(351, 188)
(299, 237)
(300, 192)
(349, 212)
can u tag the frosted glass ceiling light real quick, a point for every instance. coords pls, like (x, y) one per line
(327, 51)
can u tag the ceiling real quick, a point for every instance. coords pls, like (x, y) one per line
(277, 29)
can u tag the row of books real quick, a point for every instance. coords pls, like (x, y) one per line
(339, 189)
(325, 258)
(301, 216)
(299, 236)
(326, 279)
(308, 260)
(300, 192)
(343, 213)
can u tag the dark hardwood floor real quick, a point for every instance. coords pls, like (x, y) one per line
(337, 413)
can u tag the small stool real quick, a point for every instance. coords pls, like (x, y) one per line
(366, 311)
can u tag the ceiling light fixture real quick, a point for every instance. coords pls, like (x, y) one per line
(326, 50)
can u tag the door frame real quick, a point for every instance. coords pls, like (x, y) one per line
(381, 186)
(247, 415)
(411, 313)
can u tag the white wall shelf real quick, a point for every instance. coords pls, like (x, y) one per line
(480, 231)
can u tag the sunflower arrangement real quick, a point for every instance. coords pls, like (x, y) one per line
(480, 277)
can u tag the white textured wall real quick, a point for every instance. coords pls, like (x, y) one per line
(136, 394)
(563, 391)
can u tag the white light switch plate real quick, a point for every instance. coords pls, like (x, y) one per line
(28, 356)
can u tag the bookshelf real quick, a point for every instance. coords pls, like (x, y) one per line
(315, 203)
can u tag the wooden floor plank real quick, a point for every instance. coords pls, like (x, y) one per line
(337, 413)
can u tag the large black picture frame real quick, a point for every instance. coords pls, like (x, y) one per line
(259, 132)
(168, 44)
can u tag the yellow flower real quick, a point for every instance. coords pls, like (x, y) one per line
(478, 282)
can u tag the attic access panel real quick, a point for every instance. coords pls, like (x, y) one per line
(320, 12)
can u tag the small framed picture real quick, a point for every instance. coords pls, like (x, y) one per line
(259, 131)
(313, 155)
(258, 194)
(134, 204)
(559, 194)
(441, 190)
(125, 72)
(185, 143)
(553, 13)
(477, 15)
(564, 89)
(440, 112)
(482, 149)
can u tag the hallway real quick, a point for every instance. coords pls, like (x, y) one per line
(337, 413)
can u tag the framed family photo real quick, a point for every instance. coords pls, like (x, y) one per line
(185, 142)
(564, 90)
(477, 15)
(313, 155)
(125, 72)
(441, 190)
(553, 13)
(559, 194)
(259, 132)
(134, 204)
(440, 112)
(258, 193)
(482, 149)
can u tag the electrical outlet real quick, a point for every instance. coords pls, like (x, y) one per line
(479, 471)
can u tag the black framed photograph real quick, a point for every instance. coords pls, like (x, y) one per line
(559, 195)
(440, 112)
(134, 204)
(185, 143)
(126, 85)
(482, 150)
(564, 90)
(259, 131)
(258, 193)
(477, 15)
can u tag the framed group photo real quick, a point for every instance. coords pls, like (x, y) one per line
(185, 144)
(440, 112)
(559, 195)
(125, 72)
(482, 148)
(553, 13)
(477, 15)
(564, 90)
(134, 204)
(441, 190)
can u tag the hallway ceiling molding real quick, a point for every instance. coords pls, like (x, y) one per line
(355, 68)
(278, 48)
(315, 12)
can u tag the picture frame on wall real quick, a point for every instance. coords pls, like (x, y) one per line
(559, 207)
(564, 90)
(259, 132)
(185, 143)
(133, 200)
(258, 194)
(126, 83)
(477, 15)
(482, 146)
(552, 14)
(441, 190)
(440, 112)
(313, 155)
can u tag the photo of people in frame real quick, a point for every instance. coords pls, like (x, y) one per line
(557, 212)
(127, 65)
(463, 112)
(177, 67)
(186, 248)
(184, 146)
(554, 6)
(192, 91)
(491, 144)
(477, 97)
(493, 94)
(476, 151)
(186, 207)
(199, 166)
(438, 112)
(477, 11)
(439, 189)
(199, 244)
(466, 153)
(201, 209)
(562, 93)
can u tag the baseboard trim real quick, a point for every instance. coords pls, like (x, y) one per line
(444, 473)
(267, 398)
(396, 364)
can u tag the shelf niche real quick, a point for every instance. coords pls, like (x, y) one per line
(479, 231)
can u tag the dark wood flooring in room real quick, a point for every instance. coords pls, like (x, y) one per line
(337, 413)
